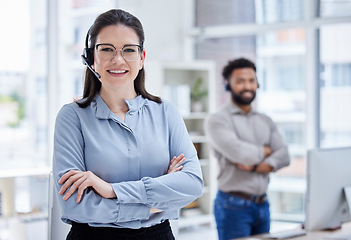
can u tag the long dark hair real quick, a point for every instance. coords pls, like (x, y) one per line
(92, 85)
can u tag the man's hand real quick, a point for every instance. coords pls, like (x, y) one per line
(75, 180)
(260, 168)
(244, 167)
(264, 168)
(267, 151)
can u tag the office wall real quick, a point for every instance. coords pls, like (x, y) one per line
(167, 25)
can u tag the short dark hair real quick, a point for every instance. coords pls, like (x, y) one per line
(92, 85)
(235, 64)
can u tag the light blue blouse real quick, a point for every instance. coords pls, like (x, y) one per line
(133, 156)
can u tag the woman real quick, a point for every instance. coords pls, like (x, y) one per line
(113, 148)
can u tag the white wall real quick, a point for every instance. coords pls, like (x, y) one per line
(166, 25)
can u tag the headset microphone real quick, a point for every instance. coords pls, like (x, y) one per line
(90, 68)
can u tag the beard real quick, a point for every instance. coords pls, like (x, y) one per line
(237, 97)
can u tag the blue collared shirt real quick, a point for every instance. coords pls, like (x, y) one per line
(133, 156)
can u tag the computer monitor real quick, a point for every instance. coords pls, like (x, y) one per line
(328, 173)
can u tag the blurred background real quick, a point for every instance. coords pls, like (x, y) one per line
(301, 47)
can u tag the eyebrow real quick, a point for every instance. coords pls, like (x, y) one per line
(110, 44)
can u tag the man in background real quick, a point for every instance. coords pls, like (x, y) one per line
(248, 147)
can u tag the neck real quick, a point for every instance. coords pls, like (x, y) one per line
(115, 100)
(245, 108)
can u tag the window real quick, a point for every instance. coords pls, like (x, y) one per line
(279, 57)
(225, 12)
(24, 142)
(336, 8)
(74, 20)
(303, 64)
(335, 85)
(23, 94)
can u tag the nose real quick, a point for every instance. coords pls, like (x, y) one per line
(118, 56)
(248, 85)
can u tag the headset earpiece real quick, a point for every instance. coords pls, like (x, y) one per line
(88, 56)
(226, 86)
(88, 53)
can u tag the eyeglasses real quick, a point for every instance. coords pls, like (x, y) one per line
(129, 52)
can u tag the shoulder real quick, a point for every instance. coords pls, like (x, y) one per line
(262, 115)
(165, 106)
(265, 118)
(222, 115)
(69, 108)
(70, 112)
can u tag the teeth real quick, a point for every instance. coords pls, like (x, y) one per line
(117, 71)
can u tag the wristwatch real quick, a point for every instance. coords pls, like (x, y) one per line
(254, 168)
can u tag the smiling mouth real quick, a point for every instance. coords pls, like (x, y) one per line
(117, 71)
(247, 94)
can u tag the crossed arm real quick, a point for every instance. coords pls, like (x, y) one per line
(262, 167)
(75, 180)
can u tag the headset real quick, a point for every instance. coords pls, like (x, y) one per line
(88, 56)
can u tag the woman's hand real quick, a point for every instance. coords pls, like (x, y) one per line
(75, 180)
(175, 164)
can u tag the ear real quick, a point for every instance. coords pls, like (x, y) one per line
(142, 59)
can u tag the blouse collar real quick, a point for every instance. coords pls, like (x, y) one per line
(103, 111)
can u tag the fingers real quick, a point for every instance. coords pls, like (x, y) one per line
(180, 167)
(175, 160)
(67, 180)
(175, 164)
(243, 167)
(82, 186)
(79, 181)
(67, 175)
(78, 184)
(74, 181)
(155, 210)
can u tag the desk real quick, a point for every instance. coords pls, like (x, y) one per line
(313, 235)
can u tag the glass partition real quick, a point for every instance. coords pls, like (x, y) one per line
(228, 12)
(280, 59)
(23, 85)
(336, 8)
(335, 85)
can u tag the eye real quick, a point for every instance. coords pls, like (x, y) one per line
(129, 49)
(106, 49)
(240, 81)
